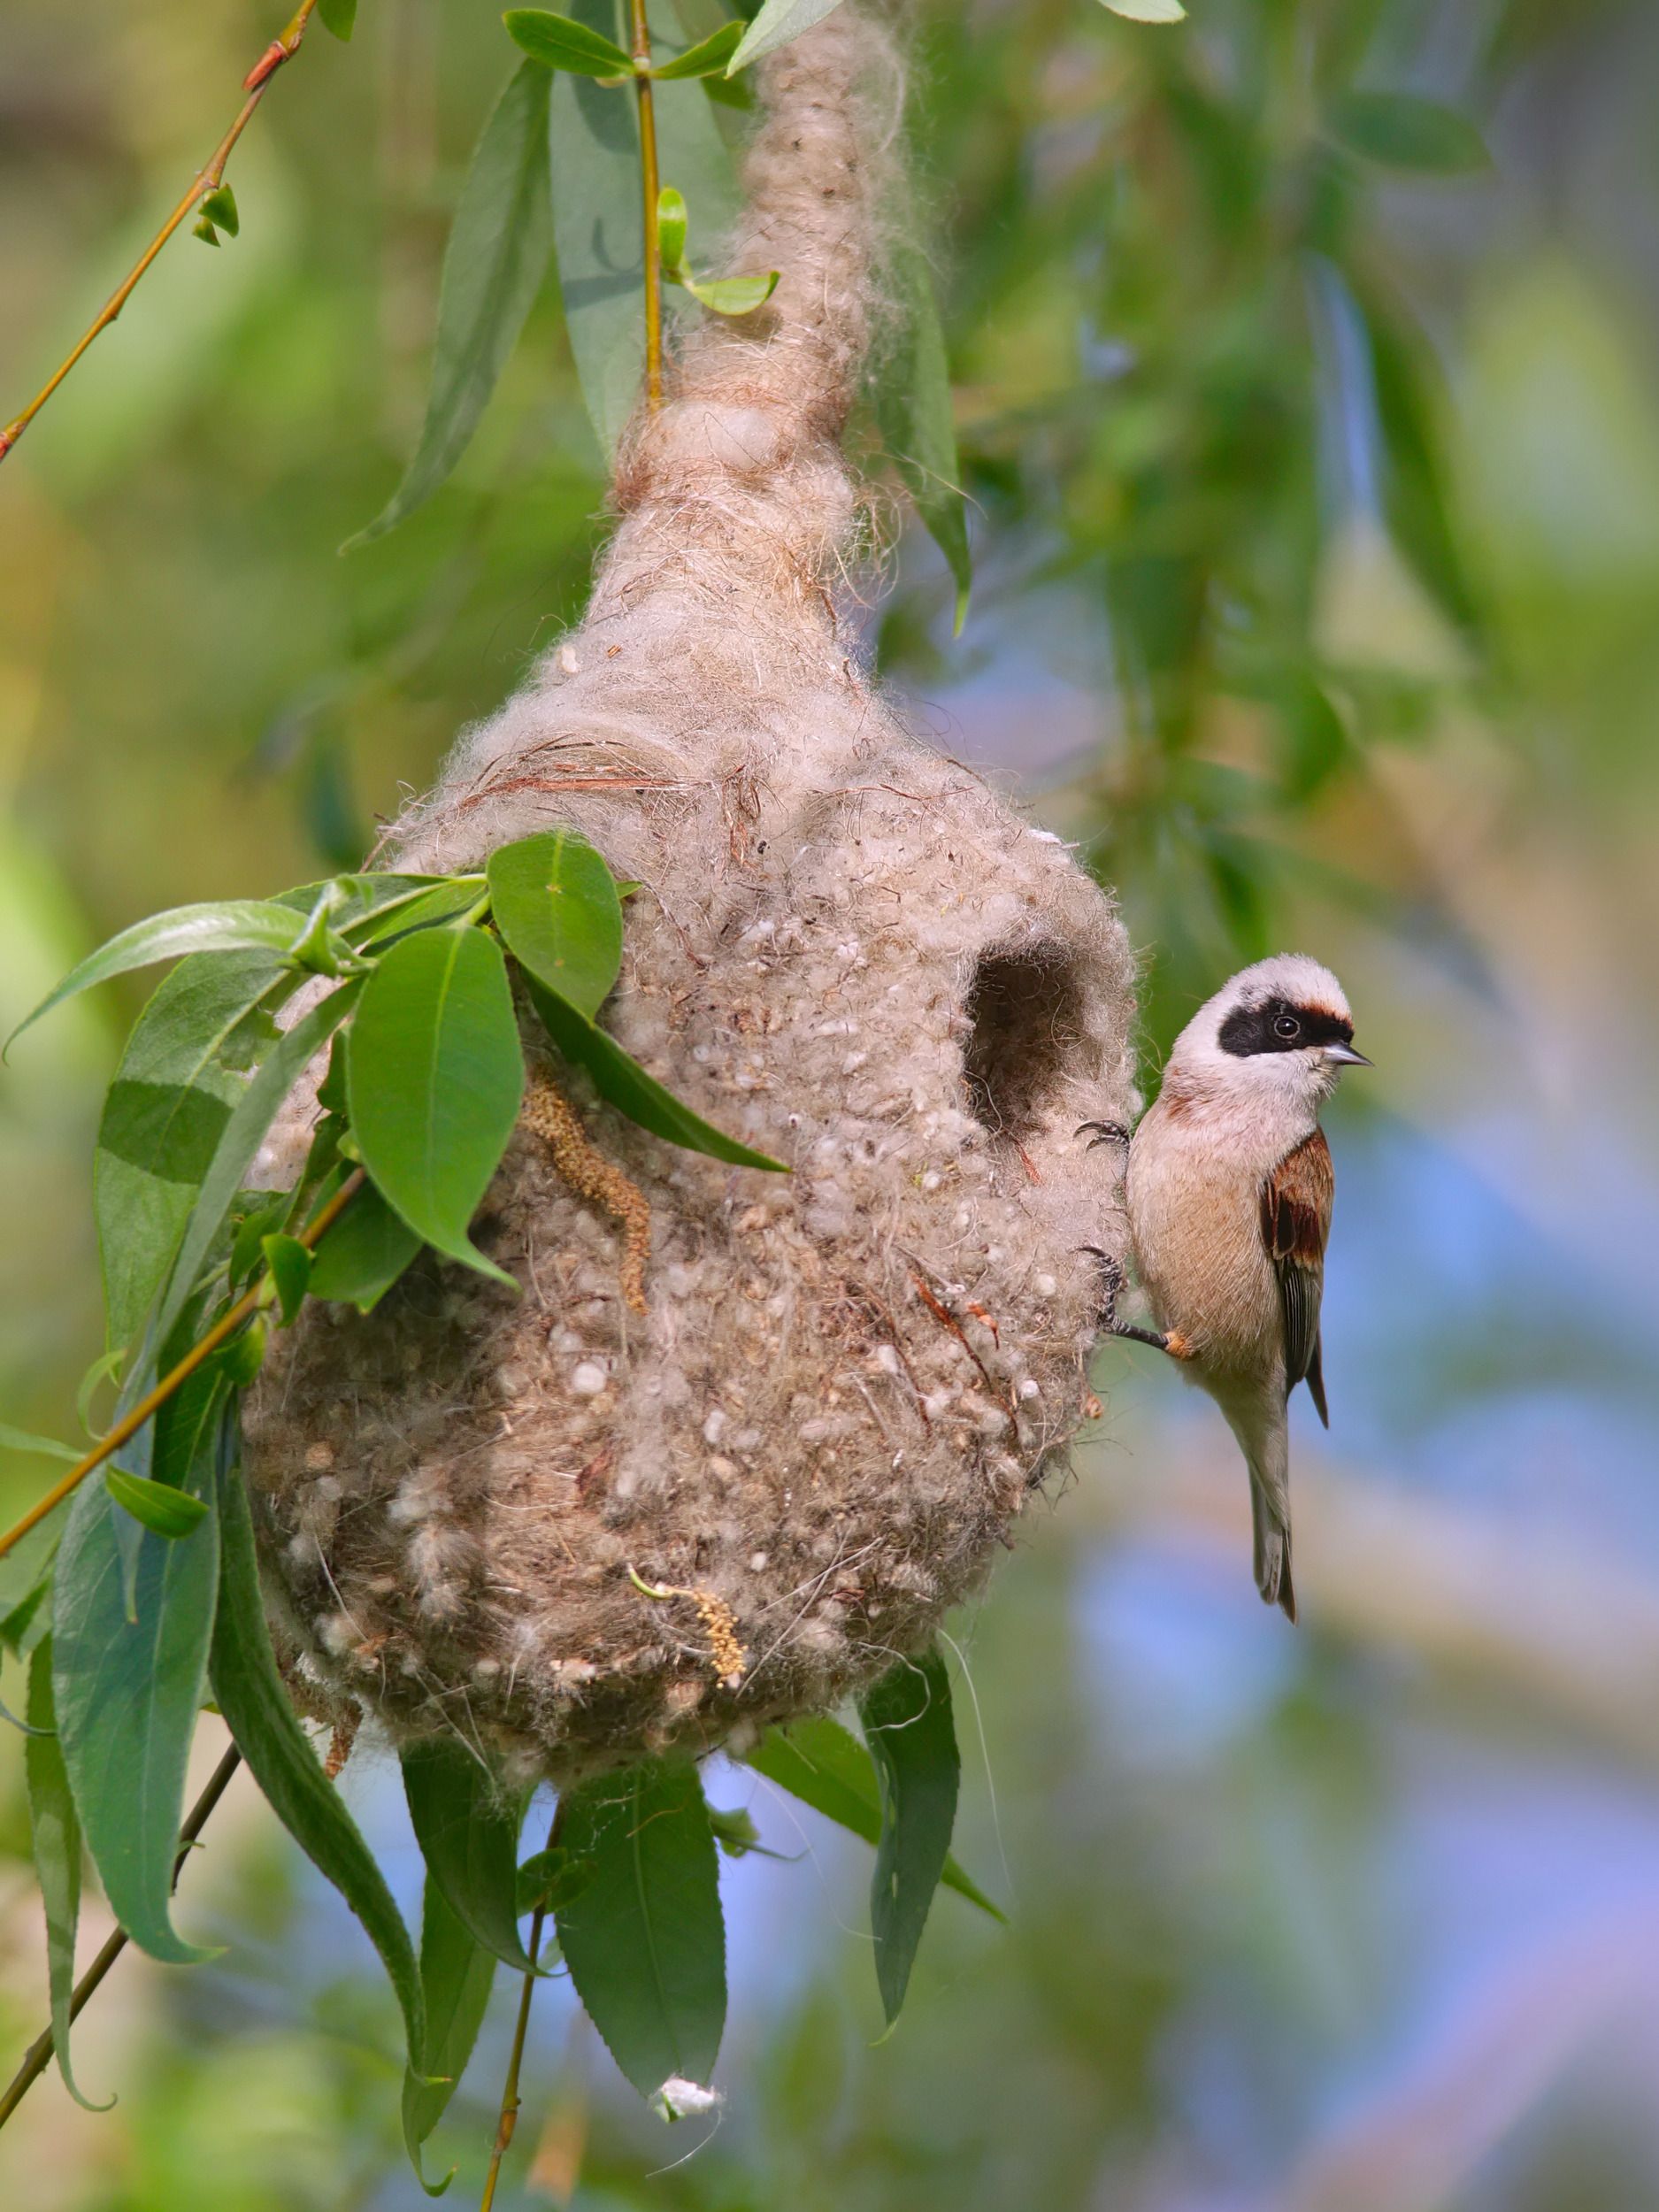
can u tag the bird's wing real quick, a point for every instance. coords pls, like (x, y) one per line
(1296, 1216)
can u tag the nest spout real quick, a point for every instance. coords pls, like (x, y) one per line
(736, 487)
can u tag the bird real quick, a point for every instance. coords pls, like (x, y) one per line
(1228, 1186)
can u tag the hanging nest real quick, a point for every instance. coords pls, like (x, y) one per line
(575, 1532)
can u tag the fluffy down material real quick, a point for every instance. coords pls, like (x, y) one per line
(847, 1382)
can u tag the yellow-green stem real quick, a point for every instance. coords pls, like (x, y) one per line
(649, 185)
(131, 1423)
(208, 179)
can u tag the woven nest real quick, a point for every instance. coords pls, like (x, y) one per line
(845, 1383)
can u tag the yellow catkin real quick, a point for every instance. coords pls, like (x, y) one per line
(586, 1169)
(729, 1657)
(719, 1623)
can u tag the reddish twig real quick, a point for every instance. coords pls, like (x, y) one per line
(208, 179)
(567, 783)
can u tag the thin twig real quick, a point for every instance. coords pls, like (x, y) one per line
(131, 1423)
(38, 2055)
(255, 85)
(510, 2098)
(649, 186)
(568, 783)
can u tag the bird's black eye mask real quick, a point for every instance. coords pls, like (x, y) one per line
(1277, 1025)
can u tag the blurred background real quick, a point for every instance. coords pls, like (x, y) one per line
(1306, 369)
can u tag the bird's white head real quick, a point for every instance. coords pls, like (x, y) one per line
(1280, 1031)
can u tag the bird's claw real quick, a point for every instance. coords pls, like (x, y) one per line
(1108, 1132)
(1112, 1283)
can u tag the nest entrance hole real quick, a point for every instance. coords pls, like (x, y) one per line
(1024, 1009)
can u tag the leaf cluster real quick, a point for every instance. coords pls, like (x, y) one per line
(150, 1598)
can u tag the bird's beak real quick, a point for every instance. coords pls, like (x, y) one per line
(1346, 1056)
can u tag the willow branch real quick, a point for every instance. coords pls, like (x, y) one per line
(641, 49)
(255, 85)
(38, 2055)
(510, 2098)
(129, 1425)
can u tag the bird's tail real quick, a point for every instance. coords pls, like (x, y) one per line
(1269, 1459)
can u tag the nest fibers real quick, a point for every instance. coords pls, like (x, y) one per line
(845, 1382)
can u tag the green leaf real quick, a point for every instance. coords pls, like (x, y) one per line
(554, 902)
(18, 1621)
(434, 1073)
(203, 230)
(777, 22)
(829, 1769)
(240, 1359)
(338, 16)
(598, 225)
(624, 1083)
(250, 1693)
(128, 1684)
(913, 406)
(290, 1265)
(558, 41)
(165, 1114)
(599, 234)
(552, 1880)
(224, 926)
(157, 1505)
(731, 296)
(446, 902)
(737, 1836)
(331, 1092)
(364, 1253)
(1417, 465)
(55, 1835)
(242, 1135)
(263, 1219)
(373, 895)
(41, 1447)
(709, 54)
(672, 220)
(455, 1978)
(326, 1168)
(908, 1725)
(105, 1368)
(166, 1450)
(644, 1940)
(1404, 132)
(318, 949)
(493, 268)
(468, 1834)
(220, 207)
(1147, 10)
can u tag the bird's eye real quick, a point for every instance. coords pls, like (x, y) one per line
(1286, 1025)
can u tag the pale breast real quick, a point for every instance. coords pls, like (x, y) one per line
(1194, 1219)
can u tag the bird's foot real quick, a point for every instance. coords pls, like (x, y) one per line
(1112, 1273)
(1111, 1279)
(1106, 1133)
